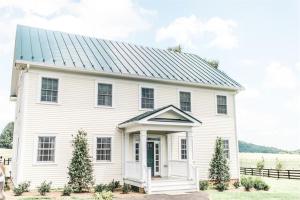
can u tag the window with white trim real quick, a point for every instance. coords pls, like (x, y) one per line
(46, 149)
(104, 94)
(137, 151)
(49, 90)
(226, 148)
(147, 98)
(185, 101)
(183, 152)
(221, 104)
(103, 149)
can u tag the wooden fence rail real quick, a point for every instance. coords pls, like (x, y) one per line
(273, 173)
(5, 161)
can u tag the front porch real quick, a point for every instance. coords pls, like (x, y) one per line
(149, 150)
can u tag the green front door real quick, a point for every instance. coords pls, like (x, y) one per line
(150, 156)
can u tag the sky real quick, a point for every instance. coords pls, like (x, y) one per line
(257, 42)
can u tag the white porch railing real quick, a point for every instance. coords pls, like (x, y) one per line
(178, 168)
(133, 170)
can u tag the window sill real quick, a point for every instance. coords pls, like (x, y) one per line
(44, 164)
(48, 103)
(105, 107)
(102, 162)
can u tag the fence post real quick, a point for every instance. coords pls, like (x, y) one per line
(288, 173)
(245, 171)
(278, 174)
(268, 172)
(252, 171)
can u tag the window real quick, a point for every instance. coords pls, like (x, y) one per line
(104, 94)
(46, 149)
(221, 104)
(147, 96)
(183, 149)
(49, 90)
(185, 101)
(137, 151)
(226, 148)
(103, 150)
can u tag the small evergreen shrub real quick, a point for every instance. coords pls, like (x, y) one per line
(6, 186)
(67, 190)
(101, 187)
(203, 185)
(18, 191)
(259, 184)
(25, 186)
(247, 182)
(104, 195)
(44, 188)
(221, 186)
(126, 188)
(236, 184)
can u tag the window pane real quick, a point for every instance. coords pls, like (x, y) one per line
(49, 89)
(185, 101)
(46, 149)
(147, 98)
(103, 150)
(104, 94)
(221, 104)
(183, 148)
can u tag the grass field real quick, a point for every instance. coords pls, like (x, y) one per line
(6, 153)
(281, 189)
(289, 161)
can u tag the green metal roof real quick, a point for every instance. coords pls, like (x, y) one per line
(61, 49)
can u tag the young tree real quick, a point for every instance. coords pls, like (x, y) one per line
(219, 169)
(80, 168)
(6, 136)
(260, 165)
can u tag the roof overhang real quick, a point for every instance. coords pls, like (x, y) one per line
(169, 118)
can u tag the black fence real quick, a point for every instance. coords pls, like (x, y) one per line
(273, 173)
(5, 161)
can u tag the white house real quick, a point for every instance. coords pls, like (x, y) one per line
(152, 115)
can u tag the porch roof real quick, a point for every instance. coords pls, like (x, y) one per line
(186, 117)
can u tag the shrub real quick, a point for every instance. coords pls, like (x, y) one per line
(259, 184)
(221, 186)
(203, 185)
(25, 186)
(219, 168)
(104, 195)
(260, 165)
(6, 186)
(236, 184)
(101, 187)
(44, 188)
(279, 165)
(80, 168)
(247, 182)
(18, 191)
(126, 188)
(67, 190)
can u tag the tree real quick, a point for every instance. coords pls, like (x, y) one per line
(260, 165)
(6, 136)
(279, 164)
(80, 168)
(176, 49)
(213, 63)
(219, 169)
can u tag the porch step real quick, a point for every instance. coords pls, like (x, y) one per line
(171, 186)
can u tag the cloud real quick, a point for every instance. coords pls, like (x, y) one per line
(298, 66)
(279, 76)
(189, 31)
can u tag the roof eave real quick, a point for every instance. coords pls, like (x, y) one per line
(41, 65)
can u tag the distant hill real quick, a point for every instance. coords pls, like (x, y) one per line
(246, 147)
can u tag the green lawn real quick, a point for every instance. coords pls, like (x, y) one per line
(281, 189)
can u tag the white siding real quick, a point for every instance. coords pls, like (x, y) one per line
(77, 110)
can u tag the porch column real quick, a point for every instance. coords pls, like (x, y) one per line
(143, 154)
(125, 152)
(169, 145)
(189, 152)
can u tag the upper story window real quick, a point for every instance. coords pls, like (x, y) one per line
(183, 154)
(49, 90)
(104, 94)
(185, 101)
(103, 149)
(221, 104)
(147, 98)
(226, 148)
(46, 149)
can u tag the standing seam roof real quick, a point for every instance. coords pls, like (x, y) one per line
(82, 52)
